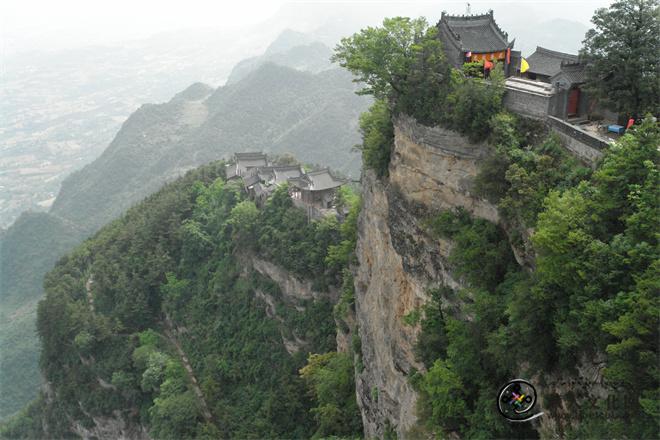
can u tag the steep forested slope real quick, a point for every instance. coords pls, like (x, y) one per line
(170, 320)
(20, 249)
(35, 240)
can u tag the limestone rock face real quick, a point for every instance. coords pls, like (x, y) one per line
(111, 428)
(435, 167)
(293, 288)
(431, 169)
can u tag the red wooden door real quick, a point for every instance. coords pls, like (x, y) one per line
(573, 100)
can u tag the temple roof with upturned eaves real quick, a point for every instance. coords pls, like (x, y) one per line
(476, 33)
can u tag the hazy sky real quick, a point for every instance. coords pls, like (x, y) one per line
(27, 24)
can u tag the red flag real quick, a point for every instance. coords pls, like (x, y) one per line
(508, 55)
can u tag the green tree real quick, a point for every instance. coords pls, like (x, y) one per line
(472, 103)
(381, 57)
(175, 416)
(243, 219)
(402, 63)
(442, 400)
(175, 293)
(377, 137)
(331, 382)
(622, 51)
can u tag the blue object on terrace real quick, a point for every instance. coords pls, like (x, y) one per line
(618, 129)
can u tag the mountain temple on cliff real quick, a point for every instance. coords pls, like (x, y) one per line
(467, 38)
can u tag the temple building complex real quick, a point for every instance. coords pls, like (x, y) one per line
(314, 191)
(547, 85)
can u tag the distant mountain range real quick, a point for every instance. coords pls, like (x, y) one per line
(292, 49)
(272, 108)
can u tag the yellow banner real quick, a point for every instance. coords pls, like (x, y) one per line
(524, 65)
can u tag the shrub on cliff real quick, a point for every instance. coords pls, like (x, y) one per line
(472, 103)
(377, 137)
(524, 165)
(330, 380)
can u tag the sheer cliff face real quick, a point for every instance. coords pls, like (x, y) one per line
(431, 169)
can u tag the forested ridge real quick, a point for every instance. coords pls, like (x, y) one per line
(275, 109)
(173, 267)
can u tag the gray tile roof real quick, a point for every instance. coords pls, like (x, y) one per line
(251, 180)
(571, 73)
(301, 182)
(476, 33)
(278, 174)
(548, 62)
(323, 179)
(283, 173)
(258, 155)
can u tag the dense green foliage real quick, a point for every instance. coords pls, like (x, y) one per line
(482, 254)
(593, 294)
(598, 246)
(474, 69)
(377, 137)
(403, 66)
(331, 381)
(173, 271)
(471, 104)
(467, 358)
(622, 50)
(525, 163)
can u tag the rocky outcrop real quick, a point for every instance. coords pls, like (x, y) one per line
(431, 169)
(295, 292)
(293, 288)
(436, 167)
(111, 428)
(115, 426)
